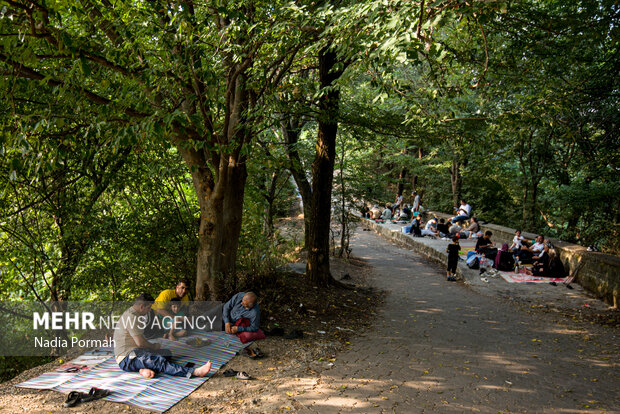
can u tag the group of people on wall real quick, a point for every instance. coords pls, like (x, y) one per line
(396, 211)
(540, 253)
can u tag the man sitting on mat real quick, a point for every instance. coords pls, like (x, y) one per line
(134, 353)
(180, 292)
(241, 316)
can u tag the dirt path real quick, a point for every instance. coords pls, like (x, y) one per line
(441, 347)
(433, 347)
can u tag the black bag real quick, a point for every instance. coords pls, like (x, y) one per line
(506, 261)
(474, 264)
(489, 252)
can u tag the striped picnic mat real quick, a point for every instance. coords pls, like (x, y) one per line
(465, 249)
(158, 394)
(522, 277)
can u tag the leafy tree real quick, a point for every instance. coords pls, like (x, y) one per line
(186, 73)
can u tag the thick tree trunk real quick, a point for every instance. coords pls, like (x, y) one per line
(317, 266)
(233, 215)
(220, 197)
(220, 226)
(209, 271)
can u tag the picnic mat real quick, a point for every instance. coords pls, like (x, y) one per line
(465, 249)
(158, 394)
(522, 277)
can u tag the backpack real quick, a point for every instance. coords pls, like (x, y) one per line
(473, 261)
(506, 261)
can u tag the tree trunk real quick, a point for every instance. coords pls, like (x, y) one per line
(401, 181)
(221, 208)
(291, 129)
(270, 197)
(456, 180)
(220, 197)
(344, 231)
(524, 208)
(415, 178)
(317, 266)
(233, 215)
(533, 199)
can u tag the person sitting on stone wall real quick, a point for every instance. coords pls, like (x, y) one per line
(526, 254)
(462, 213)
(375, 212)
(387, 213)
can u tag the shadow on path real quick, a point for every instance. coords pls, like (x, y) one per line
(441, 347)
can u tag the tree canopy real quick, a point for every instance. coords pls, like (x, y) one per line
(147, 140)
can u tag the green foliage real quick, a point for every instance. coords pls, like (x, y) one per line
(523, 103)
(148, 234)
(516, 102)
(10, 366)
(587, 212)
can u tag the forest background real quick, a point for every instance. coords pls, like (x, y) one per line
(144, 141)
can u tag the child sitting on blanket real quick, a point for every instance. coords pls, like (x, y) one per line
(169, 322)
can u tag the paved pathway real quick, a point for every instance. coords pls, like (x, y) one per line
(442, 347)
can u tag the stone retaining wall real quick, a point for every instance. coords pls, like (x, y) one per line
(598, 273)
(403, 240)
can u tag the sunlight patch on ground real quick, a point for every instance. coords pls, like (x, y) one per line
(430, 310)
(566, 331)
(434, 384)
(503, 387)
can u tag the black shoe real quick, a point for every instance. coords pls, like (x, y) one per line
(95, 394)
(242, 375)
(73, 399)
